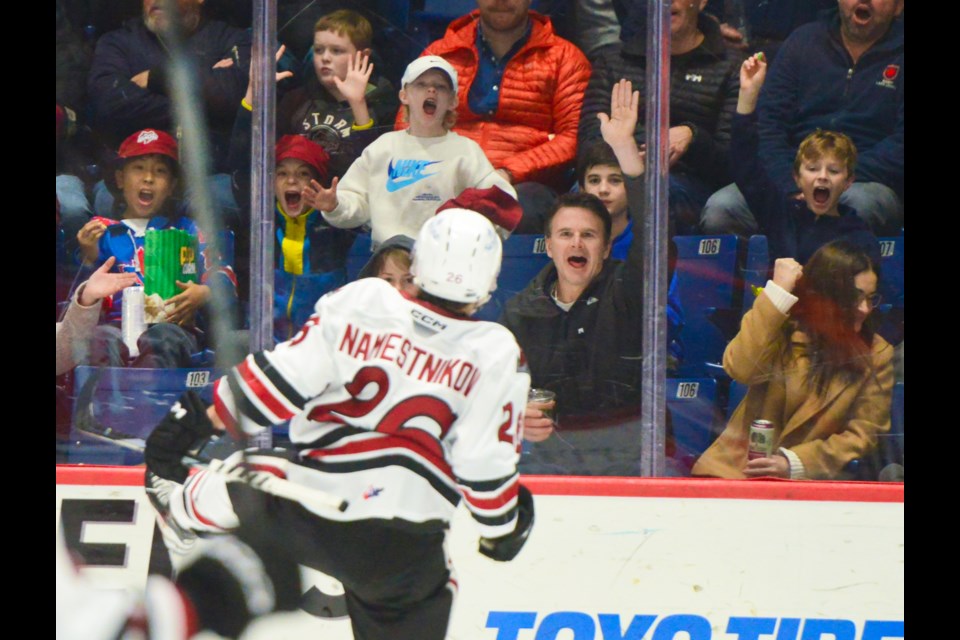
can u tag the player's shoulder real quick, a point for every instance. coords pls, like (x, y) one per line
(362, 294)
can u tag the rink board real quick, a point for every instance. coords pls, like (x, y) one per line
(639, 559)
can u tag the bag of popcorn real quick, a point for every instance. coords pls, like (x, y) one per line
(169, 255)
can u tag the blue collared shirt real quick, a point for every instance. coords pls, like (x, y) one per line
(484, 95)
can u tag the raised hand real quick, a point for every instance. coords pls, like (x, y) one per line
(281, 75)
(622, 121)
(353, 87)
(319, 198)
(620, 126)
(103, 284)
(753, 72)
(786, 273)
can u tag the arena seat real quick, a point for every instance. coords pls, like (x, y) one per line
(891, 285)
(756, 269)
(707, 274)
(737, 392)
(693, 414)
(128, 401)
(524, 255)
(358, 256)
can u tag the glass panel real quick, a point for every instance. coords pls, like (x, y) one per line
(715, 264)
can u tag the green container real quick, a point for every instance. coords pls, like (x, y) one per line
(168, 255)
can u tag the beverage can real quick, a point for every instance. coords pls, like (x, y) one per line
(761, 440)
(132, 319)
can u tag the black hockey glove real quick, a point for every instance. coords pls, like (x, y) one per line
(184, 428)
(230, 584)
(507, 547)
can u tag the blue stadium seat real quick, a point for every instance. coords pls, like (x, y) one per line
(693, 414)
(707, 274)
(891, 444)
(358, 256)
(431, 22)
(130, 401)
(891, 267)
(891, 285)
(524, 255)
(738, 391)
(756, 269)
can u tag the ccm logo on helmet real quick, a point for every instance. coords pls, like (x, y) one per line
(427, 320)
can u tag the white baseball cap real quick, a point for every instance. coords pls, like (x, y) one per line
(423, 64)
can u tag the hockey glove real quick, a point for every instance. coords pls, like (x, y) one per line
(177, 539)
(507, 547)
(184, 428)
(231, 583)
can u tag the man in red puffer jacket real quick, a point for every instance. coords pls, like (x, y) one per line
(521, 87)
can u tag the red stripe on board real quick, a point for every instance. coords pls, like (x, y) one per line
(766, 489)
(817, 490)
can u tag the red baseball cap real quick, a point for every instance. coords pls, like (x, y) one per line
(305, 150)
(148, 141)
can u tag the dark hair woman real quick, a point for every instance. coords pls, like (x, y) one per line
(814, 368)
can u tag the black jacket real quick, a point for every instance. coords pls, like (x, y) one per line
(119, 107)
(792, 229)
(591, 355)
(704, 84)
(312, 111)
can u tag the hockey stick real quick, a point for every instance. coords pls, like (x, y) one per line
(214, 450)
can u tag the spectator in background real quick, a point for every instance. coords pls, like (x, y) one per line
(311, 255)
(127, 84)
(400, 179)
(521, 87)
(823, 170)
(73, 60)
(342, 105)
(147, 179)
(843, 73)
(392, 263)
(599, 173)
(814, 367)
(579, 323)
(703, 97)
(761, 25)
(81, 317)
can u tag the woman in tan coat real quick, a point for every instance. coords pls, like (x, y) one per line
(814, 367)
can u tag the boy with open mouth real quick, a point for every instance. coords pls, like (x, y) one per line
(310, 254)
(146, 179)
(399, 181)
(796, 226)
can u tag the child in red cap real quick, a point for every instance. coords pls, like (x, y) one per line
(147, 180)
(311, 254)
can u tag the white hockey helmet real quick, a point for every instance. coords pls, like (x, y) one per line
(457, 256)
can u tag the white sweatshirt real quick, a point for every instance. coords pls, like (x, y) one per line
(400, 179)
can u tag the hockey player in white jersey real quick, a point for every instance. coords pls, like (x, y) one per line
(400, 406)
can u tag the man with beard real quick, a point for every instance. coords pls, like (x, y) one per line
(844, 73)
